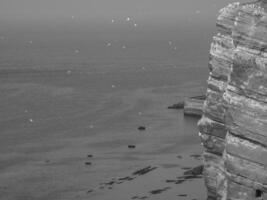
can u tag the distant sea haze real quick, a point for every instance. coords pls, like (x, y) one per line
(173, 45)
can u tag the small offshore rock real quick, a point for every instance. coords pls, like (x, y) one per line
(182, 195)
(144, 170)
(90, 191)
(88, 163)
(195, 171)
(131, 146)
(179, 105)
(141, 128)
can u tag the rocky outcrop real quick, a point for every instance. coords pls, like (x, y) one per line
(212, 128)
(194, 106)
(233, 127)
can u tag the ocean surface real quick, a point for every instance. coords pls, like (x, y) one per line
(72, 100)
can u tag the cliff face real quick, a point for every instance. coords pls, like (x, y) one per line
(233, 127)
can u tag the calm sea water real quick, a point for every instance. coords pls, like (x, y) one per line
(66, 95)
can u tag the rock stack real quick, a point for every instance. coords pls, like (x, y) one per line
(245, 157)
(212, 128)
(235, 166)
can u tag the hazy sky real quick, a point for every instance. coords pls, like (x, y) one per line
(102, 9)
(161, 29)
(132, 27)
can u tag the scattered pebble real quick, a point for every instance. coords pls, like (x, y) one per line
(89, 156)
(128, 19)
(180, 157)
(113, 86)
(135, 25)
(124, 47)
(140, 113)
(77, 51)
(91, 126)
(31, 120)
(69, 72)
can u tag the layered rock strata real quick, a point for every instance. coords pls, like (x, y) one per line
(235, 166)
(212, 129)
(245, 157)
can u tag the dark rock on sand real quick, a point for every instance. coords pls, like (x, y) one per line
(131, 146)
(88, 163)
(90, 156)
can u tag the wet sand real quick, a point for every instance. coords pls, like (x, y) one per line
(65, 133)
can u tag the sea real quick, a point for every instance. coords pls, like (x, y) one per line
(72, 99)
